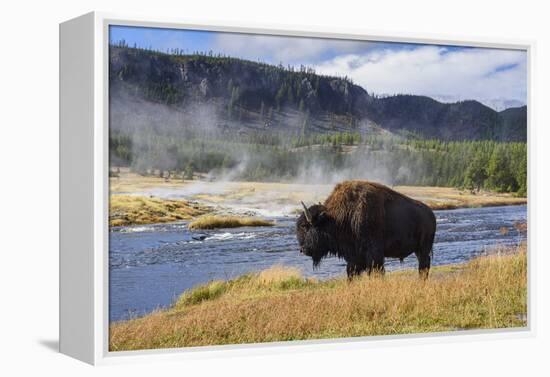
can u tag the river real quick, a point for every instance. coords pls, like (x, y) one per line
(151, 265)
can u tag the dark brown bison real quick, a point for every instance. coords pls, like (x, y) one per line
(364, 222)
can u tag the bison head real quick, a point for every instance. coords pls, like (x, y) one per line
(314, 231)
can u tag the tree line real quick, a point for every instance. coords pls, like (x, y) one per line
(473, 165)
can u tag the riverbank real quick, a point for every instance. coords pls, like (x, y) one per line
(136, 199)
(138, 210)
(442, 198)
(279, 304)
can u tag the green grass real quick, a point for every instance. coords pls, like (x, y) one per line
(279, 304)
(202, 293)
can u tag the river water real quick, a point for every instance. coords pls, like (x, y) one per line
(150, 266)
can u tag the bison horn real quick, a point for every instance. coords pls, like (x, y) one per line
(306, 212)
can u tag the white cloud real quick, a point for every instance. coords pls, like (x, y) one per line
(475, 73)
(281, 49)
(436, 71)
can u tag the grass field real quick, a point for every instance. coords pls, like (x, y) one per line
(279, 304)
(130, 210)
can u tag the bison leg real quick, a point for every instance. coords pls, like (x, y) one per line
(375, 263)
(354, 269)
(350, 270)
(424, 260)
(374, 254)
(424, 255)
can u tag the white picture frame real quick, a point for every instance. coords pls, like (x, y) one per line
(84, 191)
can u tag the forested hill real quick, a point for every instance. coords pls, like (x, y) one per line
(234, 95)
(466, 120)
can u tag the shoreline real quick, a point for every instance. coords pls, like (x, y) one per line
(484, 205)
(138, 211)
(140, 200)
(280, 295)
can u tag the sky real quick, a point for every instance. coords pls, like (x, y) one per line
(496, 77)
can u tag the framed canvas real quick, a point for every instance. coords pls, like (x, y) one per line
(242, 189)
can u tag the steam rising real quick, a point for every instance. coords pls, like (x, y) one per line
(201, 136)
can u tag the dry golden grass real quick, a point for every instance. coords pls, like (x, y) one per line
(214, 222)
(279, 305)
(133, 209)
(452, 198)
(289, 193)
(278, 273)
(128, 182)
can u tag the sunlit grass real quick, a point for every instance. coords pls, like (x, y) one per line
(133, 209)
(440, 198)
(214, 222)
(280, 304)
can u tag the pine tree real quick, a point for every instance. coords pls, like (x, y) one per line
(290, 96)
(279, 96)
(500, 177)
(301, 105)
(189, 170)
(262, 110)
(476, 173)
(521, 175)
(305, 123)
(230, 86)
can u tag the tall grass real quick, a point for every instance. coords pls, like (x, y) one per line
(279, 304)
(213, 222)
(134, 209)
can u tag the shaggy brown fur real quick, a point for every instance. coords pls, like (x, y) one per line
(351, 202)
(363, 222)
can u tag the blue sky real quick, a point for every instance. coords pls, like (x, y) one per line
(444, 72)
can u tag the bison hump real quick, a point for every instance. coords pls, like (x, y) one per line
(357, 203)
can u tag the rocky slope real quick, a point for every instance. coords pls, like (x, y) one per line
(175, 92)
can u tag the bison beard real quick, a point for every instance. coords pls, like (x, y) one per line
(365, 222)
(318, 243)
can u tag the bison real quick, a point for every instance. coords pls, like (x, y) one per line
(364, 222)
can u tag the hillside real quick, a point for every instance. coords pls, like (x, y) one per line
(172, 92)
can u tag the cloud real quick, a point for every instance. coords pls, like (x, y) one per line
(281, 49)
(445, 73)
(462, 73)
